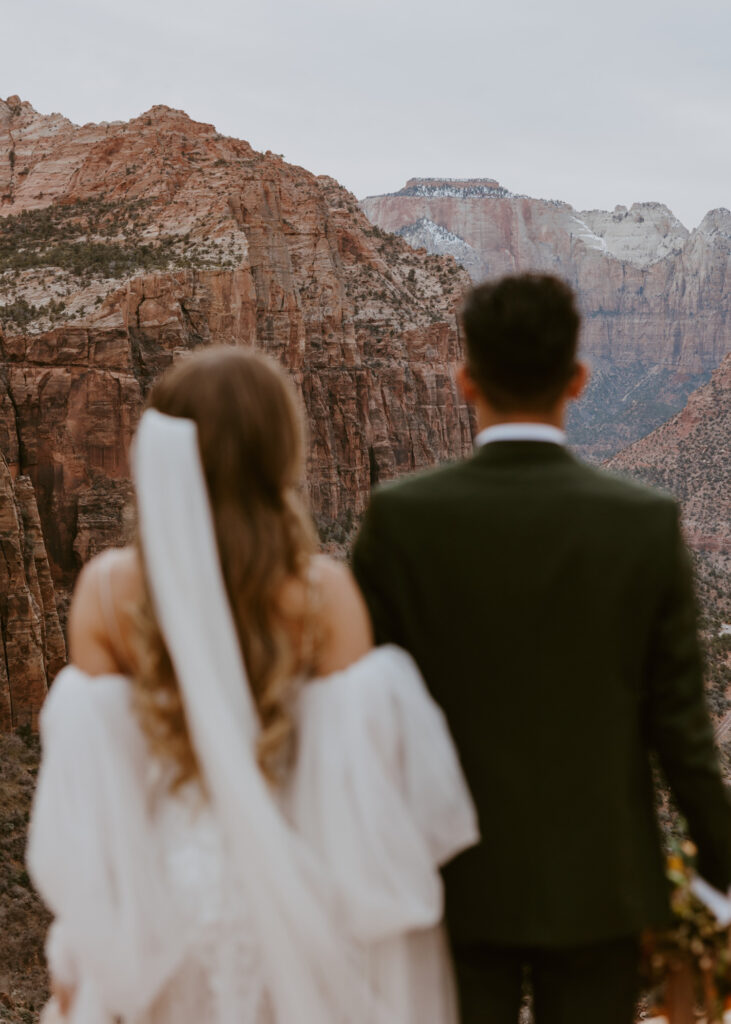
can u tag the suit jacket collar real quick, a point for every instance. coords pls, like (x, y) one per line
(521, 453)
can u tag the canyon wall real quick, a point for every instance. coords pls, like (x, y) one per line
(33, 647)
(654, 296)
(123, 246)
(690, 456)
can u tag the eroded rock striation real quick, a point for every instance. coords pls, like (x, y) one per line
(33, 648)
(123, 246)
(690, 456)
(655, 297)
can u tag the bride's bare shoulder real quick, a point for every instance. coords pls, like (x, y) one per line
(117, 570)
(108, 584)
(342, 615)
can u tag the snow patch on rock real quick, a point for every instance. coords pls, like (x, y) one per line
(716, 222)
(445, 189)
(425, 234)
(642, 235)
(587, 236)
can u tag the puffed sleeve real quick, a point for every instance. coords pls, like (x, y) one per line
(92, 852)
(379, 793)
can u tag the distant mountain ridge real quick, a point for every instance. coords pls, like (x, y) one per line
(655, 296)
(456, 188)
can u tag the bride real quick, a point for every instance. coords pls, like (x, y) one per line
(242, 806)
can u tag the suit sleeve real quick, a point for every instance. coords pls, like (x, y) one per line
(374, 565)
(680, 725)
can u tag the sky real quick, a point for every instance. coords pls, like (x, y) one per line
(594, 103)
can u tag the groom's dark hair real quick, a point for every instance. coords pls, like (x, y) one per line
(521, 336)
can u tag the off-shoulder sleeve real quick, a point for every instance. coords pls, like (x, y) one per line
(92, 853)
(379, 793)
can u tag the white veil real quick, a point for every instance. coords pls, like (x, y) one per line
(314, 974)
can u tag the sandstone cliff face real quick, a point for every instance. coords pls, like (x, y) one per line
(33, 648)
(124, 245)
(655, 297)
(690, 456)
(641, 235)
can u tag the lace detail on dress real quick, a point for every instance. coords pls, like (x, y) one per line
(220, 981)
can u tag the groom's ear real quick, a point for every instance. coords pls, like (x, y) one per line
(578, 381)
(466, 384)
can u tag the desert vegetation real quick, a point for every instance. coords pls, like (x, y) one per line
(59, 251)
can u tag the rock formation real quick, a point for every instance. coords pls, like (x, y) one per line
(690, 456)
(655, 297)
(125, 245)
(33, 648)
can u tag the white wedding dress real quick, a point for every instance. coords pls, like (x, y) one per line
(229, 903)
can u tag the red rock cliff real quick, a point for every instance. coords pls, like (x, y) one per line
(690, 456)
(33, 648)
(124, 245)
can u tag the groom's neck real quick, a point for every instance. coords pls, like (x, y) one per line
(487, 416)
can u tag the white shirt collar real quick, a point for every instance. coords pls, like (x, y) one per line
(521, 432)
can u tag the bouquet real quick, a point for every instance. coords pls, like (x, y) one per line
(689, 965)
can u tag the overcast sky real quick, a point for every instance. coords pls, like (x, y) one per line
(593, 103)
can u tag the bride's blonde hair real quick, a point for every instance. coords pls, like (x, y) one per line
(250, 437)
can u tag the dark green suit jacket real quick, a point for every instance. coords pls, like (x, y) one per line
(550, 608)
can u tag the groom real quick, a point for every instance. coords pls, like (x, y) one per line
(550, 608)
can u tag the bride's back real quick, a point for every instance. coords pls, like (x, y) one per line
(104, 631)
(297, 614)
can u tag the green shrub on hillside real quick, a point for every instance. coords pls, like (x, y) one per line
(74, 238)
